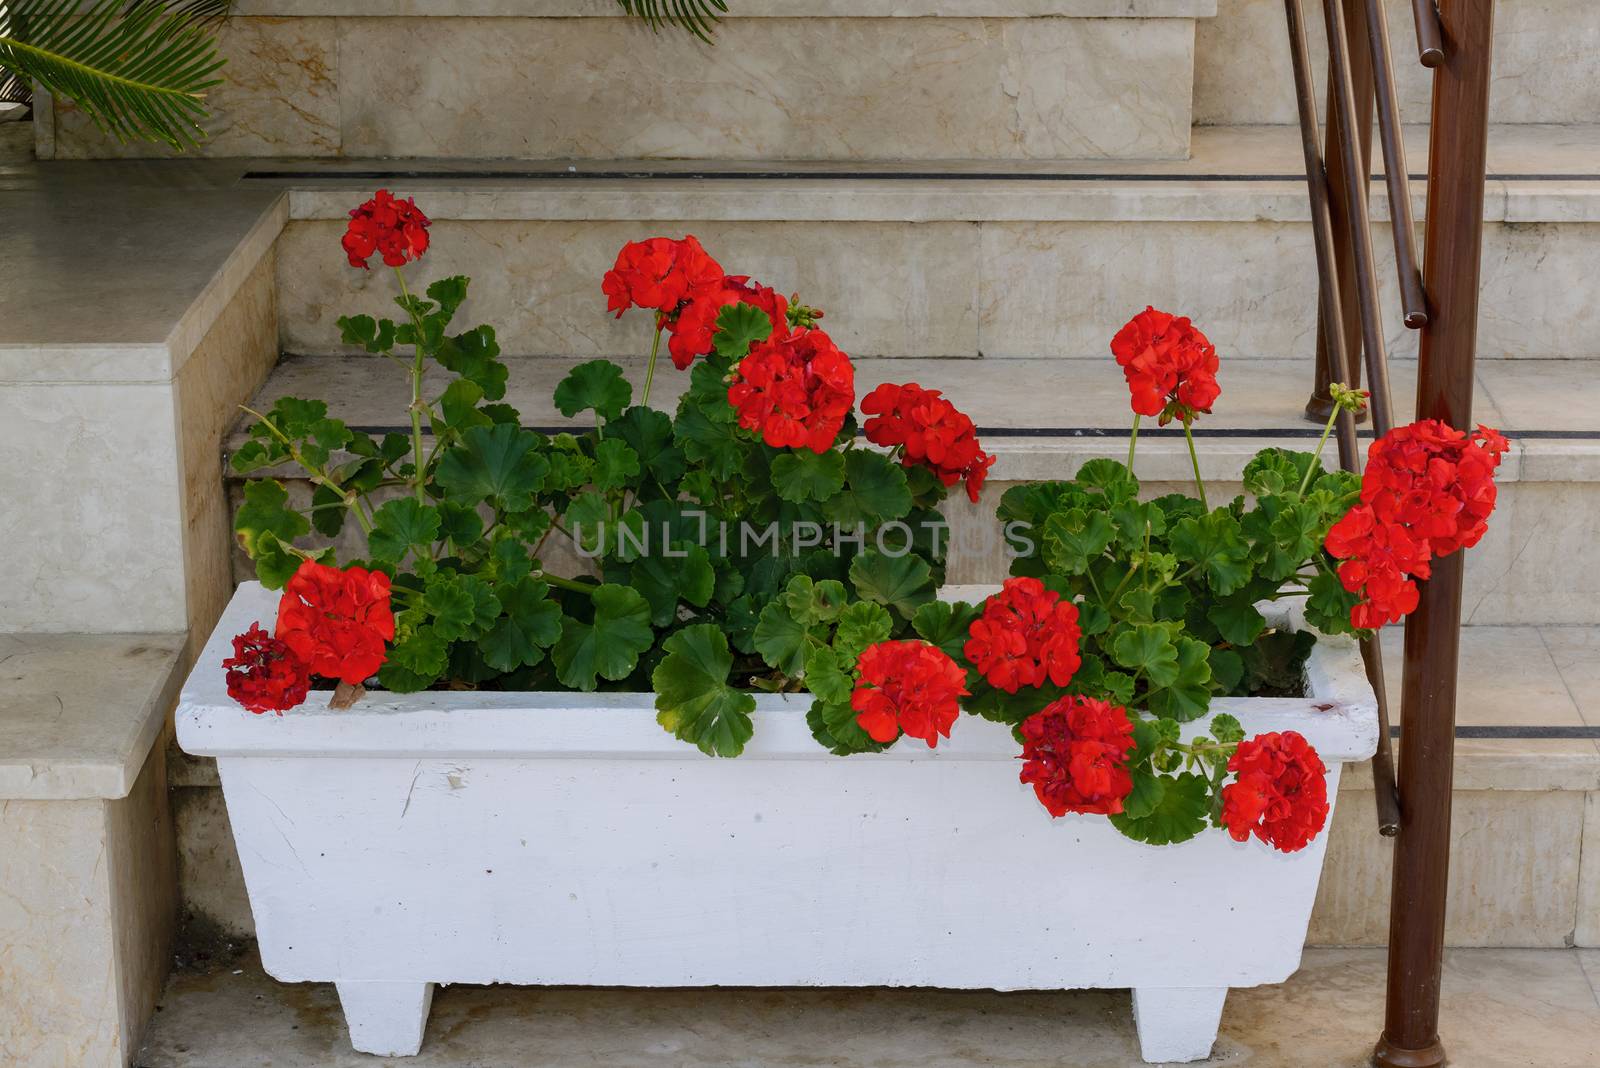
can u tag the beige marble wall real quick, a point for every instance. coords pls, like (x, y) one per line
(224, 371)
(846, 88)
(1514, 859)
(1546, 63)
(909, 290)
(86, 922)
(91, 524)
(953, 288)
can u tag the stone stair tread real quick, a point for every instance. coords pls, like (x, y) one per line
(80, 712)
(1539, 1002)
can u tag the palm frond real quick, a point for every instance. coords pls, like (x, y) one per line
(139, 70)
(699, 17)
(198, 10)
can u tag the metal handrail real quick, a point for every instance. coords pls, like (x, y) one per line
(1430, 39)
(1397, 176)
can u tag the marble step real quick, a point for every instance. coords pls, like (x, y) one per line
(224, 1010)
(961, 260)
(1043, 418)
(825, 79)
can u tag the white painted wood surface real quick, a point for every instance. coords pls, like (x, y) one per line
(567, 839)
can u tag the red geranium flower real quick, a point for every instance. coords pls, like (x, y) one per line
(264, 674)
(928, 430)
(337, 621)
(796, 391)
(1170, 366)
(660, 273)
(908, 686)
(1280, 794)
(1026, 634)
(696, 325)
(1076, 753)
(1427, 492)
(395, 229)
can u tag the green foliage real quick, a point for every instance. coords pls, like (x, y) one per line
(139, 68)
(699, 17)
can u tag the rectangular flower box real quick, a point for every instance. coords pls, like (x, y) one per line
(565, 838)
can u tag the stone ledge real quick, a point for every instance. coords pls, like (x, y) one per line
(741, 9)
(79, 714)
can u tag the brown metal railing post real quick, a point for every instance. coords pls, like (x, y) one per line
(1346, 366)
(1454, 244)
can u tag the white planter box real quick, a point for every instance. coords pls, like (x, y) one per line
(549, 838)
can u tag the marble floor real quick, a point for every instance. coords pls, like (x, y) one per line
(1501, 1009)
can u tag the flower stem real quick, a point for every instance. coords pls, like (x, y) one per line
(318, 475)
(1194, 459)
(1133, 439)
(568, 584)
(416, 391)
(650, 368)
(1321, 442)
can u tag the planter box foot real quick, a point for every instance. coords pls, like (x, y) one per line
(386, 1018)
(1177, 1023)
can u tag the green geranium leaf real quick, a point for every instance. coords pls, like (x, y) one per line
(685, 575)
(266, 511)
(826, 678)
(1147, 648)
(474, 356)
(1188, 694)
(610, 646)
(833, 724)
(875, 491)
(783, 641)
(459, 523)
(862, 623)
(448, 293)
(811, 602)
(945, 624)
(458, 406)
(903, 583)
(531, 624)
(1215, 543)
(1273, 472)
(804, 475)
(1237, 619)
(1227, 669)
(615, 464)
(462, 606)
(598, 386)
(1109, 478)
(371, 334)
(402, 525)
(1074, 537)
(494, 463)
(1146, 795)
(739, 326)
(1176, 816)
(649, 433)
(328, 511)
(693, 699)
(275, 564)
(1226, 729)
(1328, 607)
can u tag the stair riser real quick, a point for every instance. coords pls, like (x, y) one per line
(960, 289)
(1546, 63)
(841, 88)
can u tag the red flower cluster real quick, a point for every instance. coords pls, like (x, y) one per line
(1076, 753)
(696, 325)
(908, 686)
(795, 390)
(660, 273)
(264, 674)
(395, 229)
(1280, 794)
(928, 430)
(1170, 366)
(1026, 634)
(337, 621)
(1427, 491)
